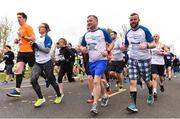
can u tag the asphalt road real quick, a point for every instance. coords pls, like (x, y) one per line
(74, 103)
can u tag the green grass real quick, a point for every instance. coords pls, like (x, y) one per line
(3, 76)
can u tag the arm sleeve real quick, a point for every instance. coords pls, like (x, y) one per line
(83, 42)
(126, 41)
(107, 36)
(47, 42)
(43, 49)
(148, 34)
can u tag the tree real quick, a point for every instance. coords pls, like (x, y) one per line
(109, 30)
(5, 31)
(123, 30)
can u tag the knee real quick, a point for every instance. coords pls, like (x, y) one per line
(111, 74)
(133, 82)
(96, 82)
(33, 81)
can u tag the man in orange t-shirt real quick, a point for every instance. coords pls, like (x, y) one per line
(25, 54)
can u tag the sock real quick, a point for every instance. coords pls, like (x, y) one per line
(19, 78)
(154, 90)
(150, 90)
(18, 89)
(133, 96)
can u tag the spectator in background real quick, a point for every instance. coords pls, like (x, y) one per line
(176, 64)
(8, 58)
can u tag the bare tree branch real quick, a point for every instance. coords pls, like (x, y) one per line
(5, 31)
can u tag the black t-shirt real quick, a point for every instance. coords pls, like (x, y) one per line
(66, 55)
(168, 58)
(9, 57)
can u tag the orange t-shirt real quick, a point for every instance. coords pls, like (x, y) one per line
(24, 45)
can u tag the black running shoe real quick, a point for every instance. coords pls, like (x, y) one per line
(155, 96)
(161, 88)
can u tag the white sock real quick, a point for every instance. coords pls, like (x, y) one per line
(18, 89)
(154, 90)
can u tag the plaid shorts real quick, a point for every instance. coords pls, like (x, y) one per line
(139, 69)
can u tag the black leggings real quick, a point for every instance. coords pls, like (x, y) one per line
(66, 68)
(37, 70)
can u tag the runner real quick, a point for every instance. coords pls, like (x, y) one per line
(116, 65)
(66, 58)
(168, 62)
(176, 64)
(25, 53)
(43, 63)
(139, 40)
(95, 40)
(158, 65)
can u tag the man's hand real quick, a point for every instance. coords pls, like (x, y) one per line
(143, 45)
(20, 34)
(104, 53)
(123, 48)
(16, 40)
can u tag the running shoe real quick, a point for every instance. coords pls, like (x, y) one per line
(150, 99)
(13, 93)
(155, 96)
(39, 102)
(132, 107)
(58, 99)
(94, 109)
(109, 92)
(104, 101)
(90, 100)
(161, 88)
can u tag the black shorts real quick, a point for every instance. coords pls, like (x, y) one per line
(86, 66)
(168, 64)
(26, 57)
(157, 69)
(9, 69)
(116, 66)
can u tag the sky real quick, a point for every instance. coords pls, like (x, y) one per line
(67, 18)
